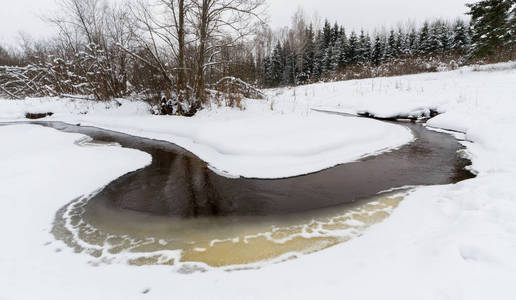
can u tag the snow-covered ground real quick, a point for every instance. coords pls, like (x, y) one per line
(40, 170)
(443, 242)
(257, 142)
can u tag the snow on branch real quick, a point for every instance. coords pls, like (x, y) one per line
(237, 84)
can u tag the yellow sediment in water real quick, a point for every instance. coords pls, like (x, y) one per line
(290, 240)
(243, 244)
(256, 249)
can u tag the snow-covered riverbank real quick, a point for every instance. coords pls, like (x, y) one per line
(443, 242)
(257, 142)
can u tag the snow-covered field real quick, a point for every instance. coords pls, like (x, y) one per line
(443, 242)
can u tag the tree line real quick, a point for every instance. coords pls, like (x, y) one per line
(187, 52)
(330, 51)
(305, 54)
(170, 49)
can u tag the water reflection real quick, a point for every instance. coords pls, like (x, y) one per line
(179, 184)
(111, 236)
(177, 210)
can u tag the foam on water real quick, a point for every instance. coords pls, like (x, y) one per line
(178, 212)
(204, 243)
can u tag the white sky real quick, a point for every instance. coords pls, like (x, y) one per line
(367, 14)
(23, 15)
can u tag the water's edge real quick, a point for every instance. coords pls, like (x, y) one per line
(177, 211)
(177, 183)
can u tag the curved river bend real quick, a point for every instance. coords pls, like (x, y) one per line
(177, 210)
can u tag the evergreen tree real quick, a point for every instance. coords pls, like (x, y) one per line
(445, 37)
(368, 48)
(343, 42)
(326, 60)
(412, 42)
(390, 48)
(424, 39)
(318, 56)
(363, 52)
(327, 32)
(308, 57)
(378, 51)
(335, 33)
(434, 40)
(489, 24)
(460, 40)
(401, 43)
(336, 55)
(351, 53)
(277, 65)
(265, 69)
(510, 35)
(270, 79)
(342, 32)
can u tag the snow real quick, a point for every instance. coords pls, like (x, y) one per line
(40, 170)
(468, 88)
(443, 242)
(255, 143)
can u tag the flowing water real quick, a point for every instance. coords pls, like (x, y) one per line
(178, 212)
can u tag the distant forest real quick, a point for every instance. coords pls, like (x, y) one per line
(330, 53)
(185, 53)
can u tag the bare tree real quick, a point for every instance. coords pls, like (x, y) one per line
(180, 25)
(87, 33)
(163, 34)
(298, 38)
(161, 49)
(218, 24)
(177, 11)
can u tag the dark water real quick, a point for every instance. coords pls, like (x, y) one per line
(179, 184)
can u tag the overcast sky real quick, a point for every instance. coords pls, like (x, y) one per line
(368, 14)
(23, 15)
